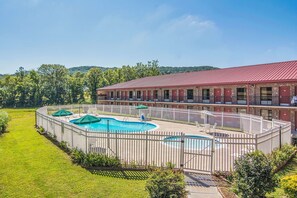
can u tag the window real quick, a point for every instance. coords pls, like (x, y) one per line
(118, 94)
(138, 94)
(130, 94)
(266, 114)
(266, 93)
(190, 94)
(241, 93)
(155, 94)
(205, 94)
(111, 94)
(166, 94)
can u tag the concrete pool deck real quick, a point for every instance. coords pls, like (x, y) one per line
(164, 125)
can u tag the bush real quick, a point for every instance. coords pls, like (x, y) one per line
(94, 159)
(280, 156)
(77, 156)
(289, 184)
(100, 160)
(253, 176)
(166, 183)
(4, 119)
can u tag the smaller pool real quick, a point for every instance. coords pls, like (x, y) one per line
(191, 142)
(112, 125)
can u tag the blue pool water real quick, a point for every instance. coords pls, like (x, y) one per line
(193, 142)
(117, 125)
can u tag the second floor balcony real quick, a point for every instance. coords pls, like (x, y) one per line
(251, 100)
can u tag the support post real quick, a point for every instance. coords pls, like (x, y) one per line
(261, 125)
(256, 142)
(182, 150)
(212, 155)
(189, 115)
(280, 136)
(86, 135)
(116, 144)
(146, 148)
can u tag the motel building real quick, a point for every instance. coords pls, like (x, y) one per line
(268, 90)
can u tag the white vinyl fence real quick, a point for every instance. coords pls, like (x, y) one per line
(156, 148)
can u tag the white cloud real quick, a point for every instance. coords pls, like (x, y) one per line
(191, 22)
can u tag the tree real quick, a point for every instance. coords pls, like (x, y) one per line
(93, 79)
(253, 175)
(54, 83)
(76, 87)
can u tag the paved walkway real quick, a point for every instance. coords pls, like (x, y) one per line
(201, 186)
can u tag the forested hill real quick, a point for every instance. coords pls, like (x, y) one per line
(163, 69)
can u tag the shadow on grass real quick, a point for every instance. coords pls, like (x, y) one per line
(123, 174)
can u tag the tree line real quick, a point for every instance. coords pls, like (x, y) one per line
(53, 84)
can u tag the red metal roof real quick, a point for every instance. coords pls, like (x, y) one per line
(262, 73)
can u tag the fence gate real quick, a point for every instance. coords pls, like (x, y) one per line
(198, 153)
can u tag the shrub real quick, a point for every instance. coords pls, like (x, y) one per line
(4, 119)
(253, 176)
(64, 146)
(166, 183)
(289, 184)
(94, 159)
(77, 156)
(100, 160)
(280, 156)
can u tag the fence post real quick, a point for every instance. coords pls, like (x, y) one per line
(182, 153)
(62, 131)
(189, 115)
(212, 155)
(280, 136)
(162, 113)
(71, 136)
(86, 134)
(256, 142)
(103, 107)
(146, 148)
(173, 113)
(261, 125)
(116, 143)
(222, 125)
(250, 124)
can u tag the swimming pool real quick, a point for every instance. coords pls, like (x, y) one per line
(117, 125)
(191, 142)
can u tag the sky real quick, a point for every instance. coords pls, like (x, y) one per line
(221, 33)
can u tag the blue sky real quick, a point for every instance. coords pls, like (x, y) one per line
(221, 33)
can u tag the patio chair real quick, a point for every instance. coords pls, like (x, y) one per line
(199, 126)
(214, 127)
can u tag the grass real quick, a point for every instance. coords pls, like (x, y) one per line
(32, 166)
(289, 169)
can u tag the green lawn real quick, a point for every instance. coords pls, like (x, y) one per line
(31, 166)
(289, 169)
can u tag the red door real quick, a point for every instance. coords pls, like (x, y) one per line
(217, 109)
(227, 109)
(284, 115)
(217, 95)
(149, 94)
(143, 95)
(228, 95)
(174, 95)
(181, 94)
(284, 95)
